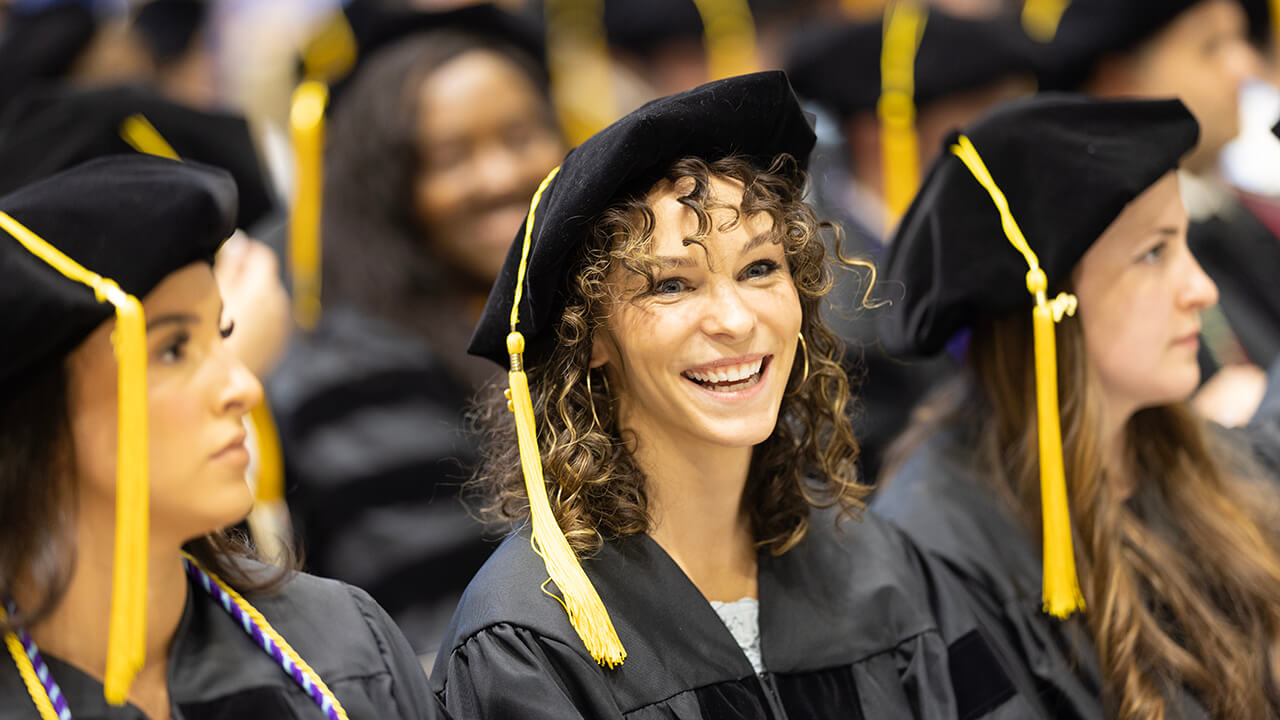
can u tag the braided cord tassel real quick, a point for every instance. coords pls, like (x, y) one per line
(266, 637)
(127, 625)
(1061, 590)
(587, 613)
(42, 688)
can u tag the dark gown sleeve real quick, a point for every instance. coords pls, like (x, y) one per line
(408, 696)
(506, 671)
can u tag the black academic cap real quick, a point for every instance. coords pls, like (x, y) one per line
(1090, 30)
(131, 218)
(838, 64)
(41, 44)
(377, 27)
(167, 27)
(54, 129)
(1067, 164)
(756, 116)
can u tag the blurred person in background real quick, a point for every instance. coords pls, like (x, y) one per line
(1198, 51)
(435, 146)
(836, 65)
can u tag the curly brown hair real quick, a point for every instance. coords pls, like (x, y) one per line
(596, 488)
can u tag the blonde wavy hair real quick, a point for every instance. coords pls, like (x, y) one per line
(597, 490)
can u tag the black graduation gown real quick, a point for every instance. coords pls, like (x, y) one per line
(849, 627)
(216, 672)
(937, 497)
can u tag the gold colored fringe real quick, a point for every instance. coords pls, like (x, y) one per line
(127, 626)
(1062, 595)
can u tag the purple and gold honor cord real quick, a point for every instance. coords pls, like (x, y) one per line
(52, 705)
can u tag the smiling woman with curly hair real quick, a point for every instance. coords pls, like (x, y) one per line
(694, 545)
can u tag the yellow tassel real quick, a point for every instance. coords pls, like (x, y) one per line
(1061, 586)
(331, 52)
(143, 137)
(1040, 18)
(579, 598)
(900, 155)
(306, 121)
(580, 67)
(729, 34)
(127, 625)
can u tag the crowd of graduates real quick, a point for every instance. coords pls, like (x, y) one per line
(640, 358)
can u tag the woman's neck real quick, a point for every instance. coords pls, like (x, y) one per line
(695, 502)
(76, 631)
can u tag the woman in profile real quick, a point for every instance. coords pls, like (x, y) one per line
(176, 618)
(1172, 527)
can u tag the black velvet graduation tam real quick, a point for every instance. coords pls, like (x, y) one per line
(1067, 164)
(756, 116)
(838, 65)
(41, 44)
(1090, 30)
(376, 27)
(167, 27)
(131, 218)
(51, 130)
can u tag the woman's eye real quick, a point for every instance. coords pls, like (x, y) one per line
(668, 286)
(759, 269)
(226, 332)
(1150, 257)
(175, 350)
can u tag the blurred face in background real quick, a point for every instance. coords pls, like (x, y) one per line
(1202, 57)
(486, 137)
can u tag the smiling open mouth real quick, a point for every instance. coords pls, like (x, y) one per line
(731, 378)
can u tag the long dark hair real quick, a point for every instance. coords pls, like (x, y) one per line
(375, 255)
(38, 500)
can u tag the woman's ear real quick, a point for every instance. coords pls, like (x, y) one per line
(602, 350)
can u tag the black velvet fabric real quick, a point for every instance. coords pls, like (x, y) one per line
(53, 129)
(754, 115)
(851, 621)
(41, 45)
(1067, 164)
(168, 27)
(131, 218)
(838, 64)
(1090, 30)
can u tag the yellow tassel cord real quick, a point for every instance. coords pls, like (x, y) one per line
(1062, 594)
(269, 521)
(126, 639)
(581, 71)
(729, 35)
(28, 673)
(1274, 40)
(331, 52)
(586, 610)
(306, 122)
(900, 155)
(1040, 18)
(143, 137)
(261, 621)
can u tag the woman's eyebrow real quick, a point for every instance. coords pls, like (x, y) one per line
(173, 319)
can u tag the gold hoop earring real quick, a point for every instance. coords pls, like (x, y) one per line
(591, 401)
(804, 347)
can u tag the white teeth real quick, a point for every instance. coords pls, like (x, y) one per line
(733, 373)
